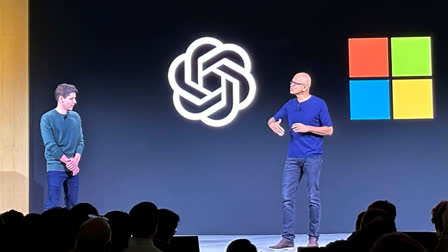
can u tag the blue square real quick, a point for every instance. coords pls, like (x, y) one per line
(369, 99)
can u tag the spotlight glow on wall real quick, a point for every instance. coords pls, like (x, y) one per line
(202, 94)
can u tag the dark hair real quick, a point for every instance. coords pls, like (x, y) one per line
(81, 212)
(386, 206)
(144, 218)
(12, 217)
(241, 245)
(168, 221)
(59, 229)
(32, 234)
(358, 220)
(64, 90)
(10, 230)
(373, 214)
(121, 230)
(437, 213)
(94, 235)
(340, 245)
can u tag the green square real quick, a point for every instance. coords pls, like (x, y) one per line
(411, 56)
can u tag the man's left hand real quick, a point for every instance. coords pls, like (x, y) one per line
(300, 127)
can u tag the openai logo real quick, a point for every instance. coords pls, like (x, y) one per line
(212, 82)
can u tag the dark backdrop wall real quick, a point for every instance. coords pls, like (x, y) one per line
(227, 180)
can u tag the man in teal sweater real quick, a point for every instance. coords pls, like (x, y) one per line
(63, 139)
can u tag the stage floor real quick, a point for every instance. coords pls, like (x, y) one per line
(218, 243)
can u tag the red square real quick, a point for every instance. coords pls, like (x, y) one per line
(368, 57)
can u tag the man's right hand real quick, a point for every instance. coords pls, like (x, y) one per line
(276, 127)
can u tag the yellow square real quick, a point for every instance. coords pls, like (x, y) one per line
(412, 99)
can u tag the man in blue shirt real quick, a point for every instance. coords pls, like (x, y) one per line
(308, 121)
(64, 142)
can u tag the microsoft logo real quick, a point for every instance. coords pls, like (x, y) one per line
(390, 78)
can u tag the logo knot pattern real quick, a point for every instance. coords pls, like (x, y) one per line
(194, 90)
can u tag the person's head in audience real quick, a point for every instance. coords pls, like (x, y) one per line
(437, 216)
(94, 236)
(144, 218)
(59, 230)
(166, 229)
(81, 212)
(339, 245)
(358, 220)
(396, 242)
(374, 223)
(31, 231)
(12, 218)
(9, 231)
(121, 230)
(167, 224)
(241, 245)
(372, 215)
(385, 205)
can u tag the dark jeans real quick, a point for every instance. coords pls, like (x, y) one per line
(56, 180)
(295, 169)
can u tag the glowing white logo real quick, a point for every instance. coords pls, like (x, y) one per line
(206, 94)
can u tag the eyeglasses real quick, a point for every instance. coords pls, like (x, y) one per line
(92, 216)
(295, 83)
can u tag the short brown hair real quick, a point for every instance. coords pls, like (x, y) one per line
(64, 90)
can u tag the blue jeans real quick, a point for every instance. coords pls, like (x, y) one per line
(56, 180)
(295, 169)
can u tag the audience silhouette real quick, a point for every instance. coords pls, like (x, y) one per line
(397, 242)
(121, 229)
(241, 245)
(94, 236)
(147, 228)
(168, 221)
(440, 220)
(144, 217)
(81, 212)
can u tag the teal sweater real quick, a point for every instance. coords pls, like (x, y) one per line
(61, 135)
